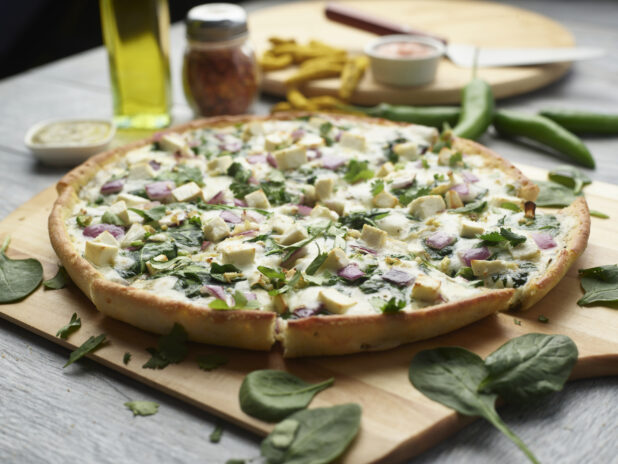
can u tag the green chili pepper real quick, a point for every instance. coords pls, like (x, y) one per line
(544, 131)
(477, 103)
(584, 122)
(434, 116)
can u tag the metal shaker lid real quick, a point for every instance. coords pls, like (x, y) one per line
(216, 22)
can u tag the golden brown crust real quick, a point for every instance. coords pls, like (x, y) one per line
(574, 245)
(334, 335)
(256, 329)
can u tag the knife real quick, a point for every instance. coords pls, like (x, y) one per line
(460, 54)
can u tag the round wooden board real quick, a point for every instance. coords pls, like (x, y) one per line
(483, 24)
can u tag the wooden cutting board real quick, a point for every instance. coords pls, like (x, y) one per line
(398, 422)
(484, 24)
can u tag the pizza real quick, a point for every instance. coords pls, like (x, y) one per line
(324, 234)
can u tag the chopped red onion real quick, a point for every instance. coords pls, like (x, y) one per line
(419, 164)
(364, 250)
(439, 240)
(205, 245)
(462, 189)
(301, 252)
(154, 165)
(230, 217)
(297, 134)
(216, 291)
(333, 162)
(478, 254)
(247, 232)
(97, 229)
(250, 296)
(398, 277)
(158, 136)
(544, 240)
(469, 177)
(255, 159)
(350, 272)
(217, 199)
(338, 136)
(113, 186)
(314, 154)
(231, 146)
(403, 182)
(220, 137)
(239, 202)
(253, 216)
(271, 160)
(304, 210)
(307, 311)
(253, 181)
(159, 190)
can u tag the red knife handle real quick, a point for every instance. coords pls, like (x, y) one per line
(360, 20)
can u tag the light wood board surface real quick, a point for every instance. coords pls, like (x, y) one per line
(398, 422)
(483, 24)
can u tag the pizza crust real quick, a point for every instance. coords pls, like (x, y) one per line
(321, 335)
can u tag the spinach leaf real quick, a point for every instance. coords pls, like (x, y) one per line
(74, 324)
(316, 263)
(152, 249)
(152, 214)
(393, 306)
(325, 129)
(357, 171)
(240, 302)
(357, 219)
(600, 285)
(546, 222)
(554, 195)
(142, 408)
(569, 177)
(411, 193)
(529, 366)
(239, 173)
(111, 218)
(171, 348)
(377, 187)
(188, 236)
(183, 174)
(18, 277)
(313, 436)
(210, 361)
(87, 347)
(505, 235)
(451, 376)
(474, 207)
(217, 270)
(58, 281)
(272, 395)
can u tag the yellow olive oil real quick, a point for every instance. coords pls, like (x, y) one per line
(136, 34)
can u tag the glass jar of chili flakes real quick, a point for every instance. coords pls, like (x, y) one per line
(220, 72)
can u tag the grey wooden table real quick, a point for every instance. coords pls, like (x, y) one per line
(48, 414)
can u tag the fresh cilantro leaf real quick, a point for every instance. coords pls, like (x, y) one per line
(58, 281)
(126, 358)
(238, 172)
(325, 129)
(74, 324)
(425, 163)
(241, 190)
(513, 238)
(211, 361)
(357, 219)
(393, 306)
(183, 174)
(357, 171)
(215, 436)
(171, 348)
(455, 159)
(492, 237)
(316, 263)
(142, 408)
(87, 347)
(411, 193)
(377, 187)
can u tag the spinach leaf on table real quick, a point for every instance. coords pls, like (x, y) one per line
(171, 348)
(58, 281)
(530, 366)
(569, 177)
(89, 346)
(272, 395)
(600, 285)
(18, 277)
(554, 195)
(210, 361)
(74, 324)
(451, 376)
(313, 436)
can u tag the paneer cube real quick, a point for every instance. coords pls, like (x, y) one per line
(335, 260)
(316, 121)
(175, 143)
(142, 170)
(290, 158)
(526, 250)
(311, 141)
(120, 210)
(335, 301)
(275, 141)
(483, 269)
(186, 192)
(426, 288)
(394, 224)
(401, 179)
(292, 235)
(354, 141)
(427, 206)
(257, 199)
(135, 233)
(309, 195)
(237, 253)
(323, 212)
(281, 223)
(470, 229)
(135, 218)
(338, 206)
(407, 150)
(323, 188)
(385, 199)
(102, 250)
(373, 236)
(215, 229)
(251, 129)
(218, 166)
(453, 200)
(385, 169)
(132, 200)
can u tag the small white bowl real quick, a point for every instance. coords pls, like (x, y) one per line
(405, 70)
(70, 151)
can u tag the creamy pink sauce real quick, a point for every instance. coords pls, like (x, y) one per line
(404, 50)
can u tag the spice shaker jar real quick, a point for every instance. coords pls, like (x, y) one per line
(220, 71)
